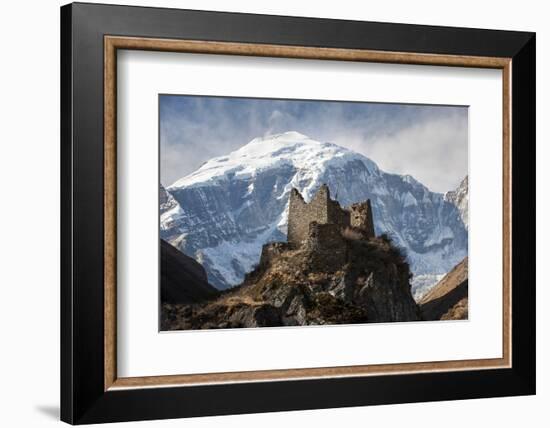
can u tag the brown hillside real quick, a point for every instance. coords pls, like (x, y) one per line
(448, 300)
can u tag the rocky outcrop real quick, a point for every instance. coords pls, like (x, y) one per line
(166, 200)
(459, 198)
(291, 287)
(448, 300)
(183, 280)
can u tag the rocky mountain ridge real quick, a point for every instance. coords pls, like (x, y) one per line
(459, 198)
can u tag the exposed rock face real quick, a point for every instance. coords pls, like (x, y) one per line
(459, 198)
(292, 286)
(448, 300)
(183, 280)
(166, 200)
(170, 209)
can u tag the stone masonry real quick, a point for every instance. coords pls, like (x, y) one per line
(361, 217)
(326, 247)
(323, 210)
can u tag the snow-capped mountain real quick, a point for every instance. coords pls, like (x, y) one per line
(459, 198)
(423, 283)
(226, 210)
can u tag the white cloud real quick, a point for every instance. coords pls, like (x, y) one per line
(427, 142)
(434, 151)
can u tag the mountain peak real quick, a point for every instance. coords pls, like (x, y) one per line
(291, 148)
(288, 135)
(271, 141)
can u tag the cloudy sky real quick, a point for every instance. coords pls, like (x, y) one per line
(427, 142)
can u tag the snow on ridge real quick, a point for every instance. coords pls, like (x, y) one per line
(407, 178)
(459, 198)
(272, 151)
(422, 284)
(438, 235)
(170, 216)
(245, 255)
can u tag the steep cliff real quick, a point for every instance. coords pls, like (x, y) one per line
(459, 198)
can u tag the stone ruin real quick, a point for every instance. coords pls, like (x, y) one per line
(323, 210)
(319, 227)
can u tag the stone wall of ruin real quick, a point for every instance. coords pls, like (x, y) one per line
(301, 214)
(361, 217)
(337, 214)
(326, 246)
(321, 209)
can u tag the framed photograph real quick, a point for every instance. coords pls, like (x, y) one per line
(266, 213)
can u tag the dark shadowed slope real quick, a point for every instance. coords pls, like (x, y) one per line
(449, 298)
(183, 280)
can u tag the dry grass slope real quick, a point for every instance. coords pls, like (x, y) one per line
(448, 300)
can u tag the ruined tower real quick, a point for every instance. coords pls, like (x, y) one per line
(323, 210)
(361, 217)
(300, 213)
